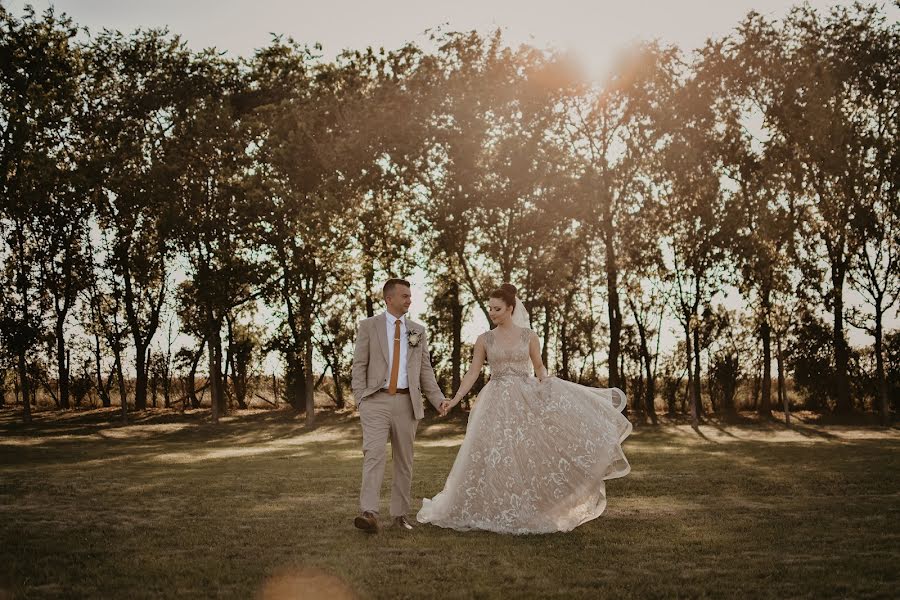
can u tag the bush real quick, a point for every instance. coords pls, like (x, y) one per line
(810, 358)
(724, 374)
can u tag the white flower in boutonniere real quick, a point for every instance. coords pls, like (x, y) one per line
(414, 337)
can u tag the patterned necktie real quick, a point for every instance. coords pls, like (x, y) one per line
(395, 363)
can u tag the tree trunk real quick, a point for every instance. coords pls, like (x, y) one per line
(651, 373)
(295, 387)
(192, 375)
(228, 360)
(167, 400)
(295, 378)
(238, 371)
(637, 396)
(310, 388)
(754, 394)
(615, 312)
(114, 340)
(123, 390)
(25, 341)
(102, 389)
(215, 366)
(100, 324)
(841, 350)
(221, 374)
(370, 302)
(592, 349)
(141, 338)
(765, 405)
(650, 392)
(695, 416)
(697, 398)
(338, 388)
(645, 363)
(23, 385)
(879, 366)
(275, 389)
(470, 282)
(457, 325)
(546, 344)
(140, 375)
(167, 371)
(62, 364)
(782, 392)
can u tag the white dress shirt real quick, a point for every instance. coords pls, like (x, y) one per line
(402, 381)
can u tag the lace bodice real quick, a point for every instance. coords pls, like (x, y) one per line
(508, 360)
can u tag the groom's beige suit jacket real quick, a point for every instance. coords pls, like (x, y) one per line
(370, 364)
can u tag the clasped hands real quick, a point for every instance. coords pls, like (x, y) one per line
(445, 406)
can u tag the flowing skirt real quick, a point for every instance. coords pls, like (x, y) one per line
(534, 459)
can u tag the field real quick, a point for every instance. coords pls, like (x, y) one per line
(171, 505)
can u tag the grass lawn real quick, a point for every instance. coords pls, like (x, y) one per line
(259, 506)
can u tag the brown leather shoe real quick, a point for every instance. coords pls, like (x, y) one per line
(402, 523)
(368, 522)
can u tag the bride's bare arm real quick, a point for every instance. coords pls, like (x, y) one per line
(471, 375)
(534, 350)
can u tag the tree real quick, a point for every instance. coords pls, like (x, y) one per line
(761, 208)
(614, 130)
(337, 335)
(378, 111)
(63, 270)
(875, 274)
(691, 204)
(244, 343)
(101, 314)
(875, 269)
(454, 90)
(192, 317)
(39, 94)
(646, 293)
(478, 177)
(308, 167)
(223, 222)
(834, 111)
(142, 85)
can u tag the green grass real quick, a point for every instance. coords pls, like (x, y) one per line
(260, 506)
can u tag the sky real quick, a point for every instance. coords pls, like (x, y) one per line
(595, 31)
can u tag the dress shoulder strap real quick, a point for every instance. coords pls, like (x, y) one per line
(527, 334)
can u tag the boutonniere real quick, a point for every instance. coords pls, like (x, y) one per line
(414, 337)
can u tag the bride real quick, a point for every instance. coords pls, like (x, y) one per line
(537, 449)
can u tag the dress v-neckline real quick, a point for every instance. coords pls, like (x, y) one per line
(498, 343)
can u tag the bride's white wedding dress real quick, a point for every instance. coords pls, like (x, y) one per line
(535, 455)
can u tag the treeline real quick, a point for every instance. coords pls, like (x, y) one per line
(152, 194)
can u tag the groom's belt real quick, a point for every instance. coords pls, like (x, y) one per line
(399, 390)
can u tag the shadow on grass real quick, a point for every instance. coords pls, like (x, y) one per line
(170, 506)
(98, 437)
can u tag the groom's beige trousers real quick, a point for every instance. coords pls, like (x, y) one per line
(385, 416)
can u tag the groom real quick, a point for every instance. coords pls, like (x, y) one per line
(391, 371)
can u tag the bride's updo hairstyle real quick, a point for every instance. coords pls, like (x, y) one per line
(507, 293)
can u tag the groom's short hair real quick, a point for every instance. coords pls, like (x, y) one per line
(390, 284)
